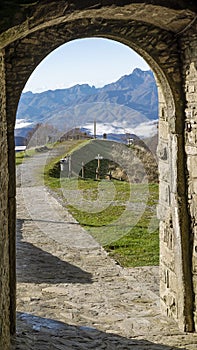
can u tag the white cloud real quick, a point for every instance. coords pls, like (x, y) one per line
(21, 123)
(145, 129)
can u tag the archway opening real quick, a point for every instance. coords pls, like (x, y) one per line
(168, 110)
(163, 33)
(42, 254)
(125, 112)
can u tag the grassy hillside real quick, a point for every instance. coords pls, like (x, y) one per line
(134, 163)
(119, 214)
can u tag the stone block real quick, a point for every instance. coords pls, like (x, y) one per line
(192, 166)
(162, 211)
(194, 258)
(163, 130)
(169, 302)
(191, 150)
(191, 133)
(194, 185)
(167, 256)
(174, 163)
(167, 275)
(162, 150)
(191, 88)
(195, 283)
(164, 171)
(195, 320)
(164, 193)
(169, 237)
(193, 206)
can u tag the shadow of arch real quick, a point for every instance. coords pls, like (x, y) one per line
(39, 266)
(43, 333)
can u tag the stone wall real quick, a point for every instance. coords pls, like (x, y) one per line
(168, 278)
(166, 39)
(175, 265)
(189, 48)
(4, 239)
(160, 49)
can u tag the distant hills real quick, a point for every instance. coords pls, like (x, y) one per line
(126, 103)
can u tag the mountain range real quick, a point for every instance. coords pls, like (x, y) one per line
(126, 103)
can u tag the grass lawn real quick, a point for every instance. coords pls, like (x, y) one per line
(131, 239)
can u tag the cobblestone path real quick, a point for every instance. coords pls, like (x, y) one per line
(70, 294)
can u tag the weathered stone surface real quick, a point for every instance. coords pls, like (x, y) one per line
(189, 47)
(163, 129)
(164, 34)
(4, 241)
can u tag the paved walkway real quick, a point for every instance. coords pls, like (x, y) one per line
(70, 294)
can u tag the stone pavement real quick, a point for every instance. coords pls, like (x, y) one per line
(70, 293)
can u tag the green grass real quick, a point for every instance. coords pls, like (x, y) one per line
(135, 246)
(21, 156)
(129, 241)
(140, 246)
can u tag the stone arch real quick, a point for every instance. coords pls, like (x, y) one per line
(153, 31)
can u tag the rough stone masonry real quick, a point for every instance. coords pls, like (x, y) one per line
(164, 33)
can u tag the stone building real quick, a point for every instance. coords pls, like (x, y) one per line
(164, 33)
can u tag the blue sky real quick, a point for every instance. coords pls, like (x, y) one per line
(94, 61)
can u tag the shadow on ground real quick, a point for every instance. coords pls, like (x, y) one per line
(45, 334)
(39, 266)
